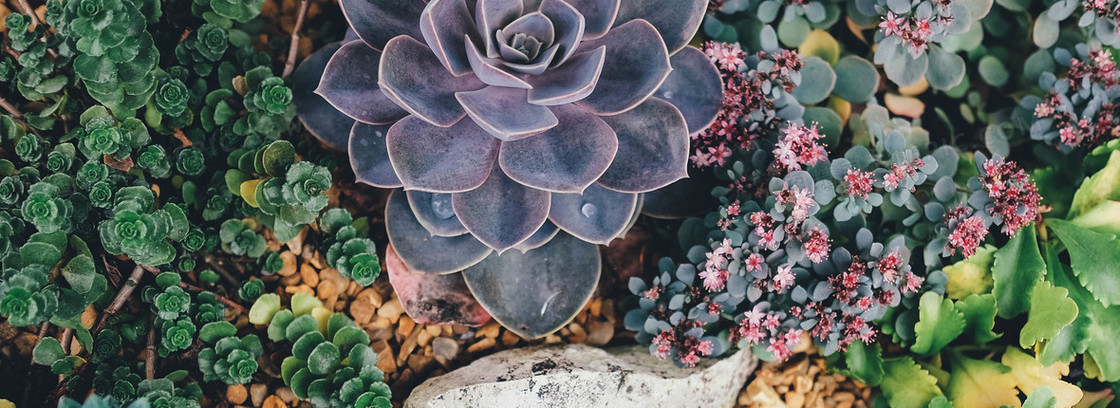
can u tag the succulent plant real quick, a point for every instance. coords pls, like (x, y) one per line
(1099, 18)
(142, 231)
(1079, 110)
(507, 121)
(232, 360)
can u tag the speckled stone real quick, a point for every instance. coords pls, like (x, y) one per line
(580, 376)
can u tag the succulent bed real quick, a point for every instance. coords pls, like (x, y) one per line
(323, 203)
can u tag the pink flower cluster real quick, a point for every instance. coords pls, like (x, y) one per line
(765, 326)
(860, 183)
(967, 231)
(900, 172)
(689, 348)
(1014, 196)
(742, 95)
(715, 268)
(799, 146)
(915, 33)
(1086, 131)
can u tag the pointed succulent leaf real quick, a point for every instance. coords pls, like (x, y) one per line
(420, 251)
(566, 158)
(369, 156)
(502, 212)
(444, 23)
(676, 20)
(597, 215)
(378, 21)
(506, 112)
(433, 299)
(652, 148)
(434, 212)
(636, 65)
(545, 233)
(538, 292)
(349, 83)
(407, 63)
(694, 87)
(320, 118)
(598, 15)
(570, 82)
(446, 160)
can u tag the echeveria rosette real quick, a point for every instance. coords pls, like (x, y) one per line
(231, 360)
(506, 119)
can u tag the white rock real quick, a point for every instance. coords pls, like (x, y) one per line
(580, 376)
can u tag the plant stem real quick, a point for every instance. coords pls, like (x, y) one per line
(293, 48)
(225, 301)
(150, 359)
(11, 109)
(67, 337)
(122, 296)
(217, 266)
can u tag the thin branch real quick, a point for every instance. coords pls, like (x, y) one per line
(150, 358)
(217, 266)
(226, 301)
(293, 48)
(11, 109)
(122, 296)
(67, 336)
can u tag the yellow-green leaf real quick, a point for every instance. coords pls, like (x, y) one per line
(938, 324)
(1051, 310)
(981, 384)
(906, 385)
(1031, 375)
(972, 275)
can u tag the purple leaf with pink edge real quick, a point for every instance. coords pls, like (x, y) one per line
(633, 217)
(369, 157)
(536, 67)
(636, 65)
(652, 148)
(502, 212)
(487, 71)
(538, 292)
(492, 15)
(545, 233)
(378, 21)
(676, 20)
(683, 198)
(694, 87)
(506, 112)
(434, 212)
(443, 24)
(428, 299)
(349, 83)
(441, 160)
(569, 26)
(422, 252)
(317, 115)
(413, 78)
(598, 15)
(570, 82)
(566, 158)
(597, 216)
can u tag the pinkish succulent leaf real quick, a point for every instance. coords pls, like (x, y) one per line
(569, 26)
(378, 21)
(599, 16)
(506, 112)
(442, 160)
(566, 158)
(349, 83)
(369, 156)
(443, 24)
(538, 292)
(536, 67)
(492, 15)
(597, 216)
(694, 87)
(317, 115)
(428, 299)
(422, 252)
(676, 20)
(535, 25)
(570, 82)
(487, 70)
(545, 233)
(636, 65)
(652, 148)
(415, 79)
(434, 212)
(502, 212)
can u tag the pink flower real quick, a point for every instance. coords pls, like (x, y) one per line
(754, 263)
(816, 247)
(892, 25)
(967, 235)
(1015, 198)
(784, 279)
(860, 183)
(798, 147)
(1043, 110)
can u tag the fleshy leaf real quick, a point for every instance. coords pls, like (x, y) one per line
(538, 292)
(598, 15)
(906, 385)
(545, 233)
(570, 82)
(1031, 376)
(434, 212)
(1095, 258)
(860, 79)
(938, 324)
(979, 313)
(694, 87)
(636, 65)
(420, 251)
(568, 26)
(864, 362)
(676, 20)
(369, 156)
(1017, 268)
(491, 15)
(597, 216)
(486, 71)
(443, 24)
(502, 212)
(349, 84)
(317, 115)
(652, 148)
(1051, 309)
(506, 112)
(444, 160)
(980, 383)
(682, 199)
(428, 299)
(378, 21)
(413, 78)
(566, 158)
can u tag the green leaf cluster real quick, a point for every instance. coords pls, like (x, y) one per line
(142, 231)
(354, 257)
(231, 360)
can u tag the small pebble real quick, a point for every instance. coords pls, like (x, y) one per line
(236, 394)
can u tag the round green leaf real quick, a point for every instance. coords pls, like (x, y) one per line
(857, 79)
(277, 157)
(905, 70)
(946, 69)
(215, 331)
(323, 359)
(793, 32)
(993, 71)
(817, 81)
(47, 351)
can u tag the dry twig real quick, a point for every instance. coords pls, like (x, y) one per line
(150, 358)
(293, 49)
(122, 296)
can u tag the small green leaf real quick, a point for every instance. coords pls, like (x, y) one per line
(277, 157)
(980, 316)
(264, 308)
(865, 363)
(47, 351)
(1095, 258)
(906, 385)
(323, 359)
(80, 273)
(817, 81)
(306, 343)
(860, 79)
(214, 331)
(1051, 310)
(939, 323)
(1042, 397)
(1017, 268)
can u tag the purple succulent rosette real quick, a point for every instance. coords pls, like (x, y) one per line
(513, 124)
